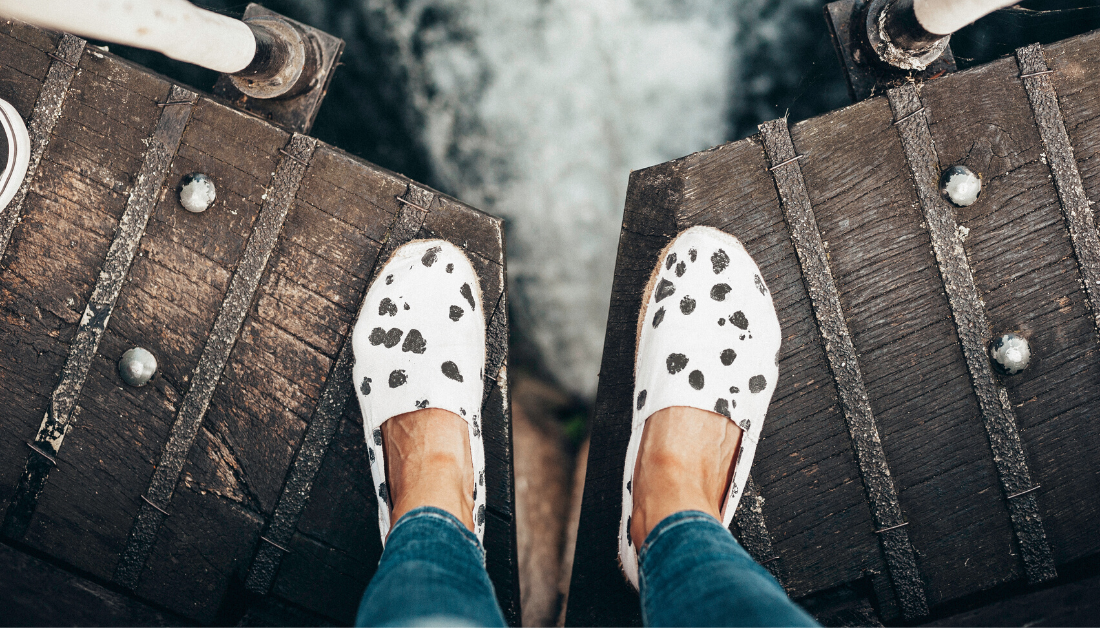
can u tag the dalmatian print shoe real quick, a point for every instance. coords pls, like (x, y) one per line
(17, 152)
(419, 343)
(708, 338)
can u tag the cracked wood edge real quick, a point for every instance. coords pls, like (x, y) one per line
(294, 495)
(57, 421)
(47, 110)
(844, 364)
(223, 336)
(968, 312)
(1067, 179)
(753, 531)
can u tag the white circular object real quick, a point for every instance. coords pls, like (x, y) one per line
(960, 185)
(198, 193)
(1011, 353)
(137, 366)
(19, 152)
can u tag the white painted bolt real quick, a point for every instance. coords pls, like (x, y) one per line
(1011, 353)
(137, 367)
(197, 192)
(960, 185)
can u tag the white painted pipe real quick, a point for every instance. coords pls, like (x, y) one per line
(176, 28)
(943, 17)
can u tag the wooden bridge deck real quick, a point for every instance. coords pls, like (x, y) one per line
(897, 472)
(233, 487)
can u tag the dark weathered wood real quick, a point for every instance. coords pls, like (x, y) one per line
(920, 121)
(47, 110)
(844, 364)
(751, 530)
(900, 321)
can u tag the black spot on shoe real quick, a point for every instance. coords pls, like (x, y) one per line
(387, 307)
(687, 305)
(664, 289)
(365, 386)
(414, 342)
(456, 312)
(462, 411)
(722, 407)
(481, 515)
(383, 493)
(377, 434)
(398, 378)
(721, 322)
(693, 254)
(676, 363)
(658, 316)
(477, 427)
(719, 291)
(728, 356)
(475, 492)
(377, 336)
(628, 486)
(450, 268)
(641, 399)
(670, 260)
(481, 479)
(370, 454)
(719, 261)
(430, 256)
(734, 390)
(407, 308)
(423, 403)
(746, 425)
(389, 279)
(681, 268)
(757, 383)
(450, 369)
(739, 319)
(696, 380)
(760, 284)
(468, 294)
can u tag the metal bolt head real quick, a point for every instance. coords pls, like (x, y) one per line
(1011, 353)
(197, 192)
(137, 367)
(960, 185)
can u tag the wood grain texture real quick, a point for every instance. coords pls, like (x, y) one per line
(900, 322)
(281, 377)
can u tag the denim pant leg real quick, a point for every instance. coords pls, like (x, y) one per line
(431, 574)
(694, 573)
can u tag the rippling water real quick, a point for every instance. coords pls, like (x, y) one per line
(537, 110)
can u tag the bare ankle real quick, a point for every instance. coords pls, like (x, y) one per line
(684, 463)
(428, 463)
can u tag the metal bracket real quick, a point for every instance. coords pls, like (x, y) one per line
(866, 74)
(297, 112)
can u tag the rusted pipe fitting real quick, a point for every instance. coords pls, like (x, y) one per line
(286, 63)
(897, 37)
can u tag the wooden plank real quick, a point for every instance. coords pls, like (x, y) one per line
(844, 364)
(97, 313)
(899, 318)
(929, 127)
(215, 355)
(39, 38)
(47, 109)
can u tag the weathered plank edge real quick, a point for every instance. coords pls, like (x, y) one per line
(219, 345)
(326, 417)
(844, 365)
(163, 144)
(46, 112)
(754, 535)
(1067, 179)
(968, 311)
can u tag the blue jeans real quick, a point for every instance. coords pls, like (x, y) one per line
(692, 573)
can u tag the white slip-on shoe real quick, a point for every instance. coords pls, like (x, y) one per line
(18, 152)
(708, 338)
(419, 343)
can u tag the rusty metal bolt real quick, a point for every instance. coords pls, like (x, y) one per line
(197, 192)
(137, 367)
(960, 185)
(1011, 353)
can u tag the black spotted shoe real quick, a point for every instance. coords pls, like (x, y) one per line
(708, 338)
(419, 343)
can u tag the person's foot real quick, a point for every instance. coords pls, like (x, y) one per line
(419, 346)
(685, 462)
(705, 370)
